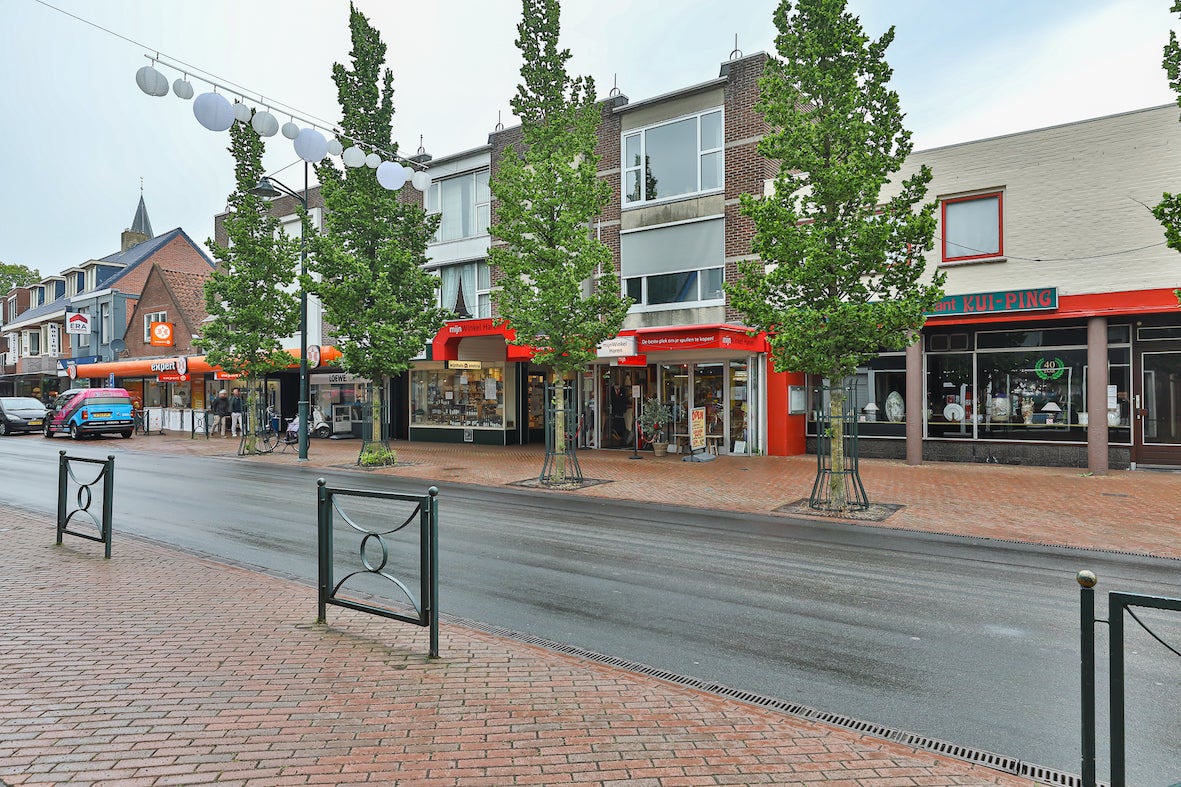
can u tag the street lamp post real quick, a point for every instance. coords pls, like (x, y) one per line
(270, 188)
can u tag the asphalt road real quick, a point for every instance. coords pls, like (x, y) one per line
(972, 642)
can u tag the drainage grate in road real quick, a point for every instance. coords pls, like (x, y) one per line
(988, 759)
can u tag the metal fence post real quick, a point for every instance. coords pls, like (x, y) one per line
(432, 539)
(61, 494)
(1087, 581)
(324, 538)
(1115, 621)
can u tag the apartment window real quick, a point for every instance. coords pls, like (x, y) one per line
(32, 343)
(79, 282)
(104, 323)
(465, 204)
(148, 320)
(81, 339)
(673, 159)
(973, 227)
(466, 289)
(11, 313)
(674, 264)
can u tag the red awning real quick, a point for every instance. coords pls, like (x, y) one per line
(720, 336)
(445, 345)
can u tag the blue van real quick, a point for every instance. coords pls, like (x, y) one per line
(85, 412)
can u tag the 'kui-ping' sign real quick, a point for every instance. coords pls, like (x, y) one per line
(1036, 299)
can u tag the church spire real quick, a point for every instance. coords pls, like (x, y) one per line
(140, 223)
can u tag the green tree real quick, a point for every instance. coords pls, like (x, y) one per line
(1168, 212)
(14, 275)
(840, 274)
(251, 296)
(558, 288)
(376, 294)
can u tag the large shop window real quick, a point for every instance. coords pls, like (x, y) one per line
(1024, 385)
(466, 289)
(879, 397)
(473, 398)
(465, 204)
(973, 227)
(674, 264)
(673, 159)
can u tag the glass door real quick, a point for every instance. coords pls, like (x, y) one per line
(1157, 409)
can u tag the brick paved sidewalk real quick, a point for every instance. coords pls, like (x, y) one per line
(1127, 511)
(159, 668)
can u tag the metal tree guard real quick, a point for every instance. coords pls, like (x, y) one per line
(842, 481)
(84, 497)
(561, 462)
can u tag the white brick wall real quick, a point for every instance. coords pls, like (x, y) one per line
(1070, 192)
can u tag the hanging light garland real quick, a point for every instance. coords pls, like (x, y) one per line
(215, 112)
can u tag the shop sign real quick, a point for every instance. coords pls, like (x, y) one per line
(172, 377)
(78, 322)
(472, 328)
(630, 360)
(335, 378)
(161, 334)
(66, 363)
(618, 347)
(699, 340)
(53, 345)
(1039, 299)
(219, 375)
(313, 356)
(465, 364)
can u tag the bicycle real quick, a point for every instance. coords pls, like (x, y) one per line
(266, 435)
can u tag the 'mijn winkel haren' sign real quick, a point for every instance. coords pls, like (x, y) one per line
(1038, 299)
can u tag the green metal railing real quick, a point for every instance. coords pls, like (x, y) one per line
(1118, 604)
(426, 510)
(84, 499)
(562, 461)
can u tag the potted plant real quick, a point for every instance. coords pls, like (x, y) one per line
(655, 416)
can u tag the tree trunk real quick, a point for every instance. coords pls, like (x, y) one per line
(249, 435)
(838, 492)
(558, 424)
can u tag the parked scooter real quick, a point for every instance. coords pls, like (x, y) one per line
(320, 425)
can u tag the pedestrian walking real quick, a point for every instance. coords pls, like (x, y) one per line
(221, 411)
(237, 407)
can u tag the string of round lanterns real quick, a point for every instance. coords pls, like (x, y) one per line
(216, 113)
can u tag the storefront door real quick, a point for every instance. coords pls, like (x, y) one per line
(1157, 407)
(617, 404)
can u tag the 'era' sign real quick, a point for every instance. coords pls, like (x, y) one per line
(1036, 299)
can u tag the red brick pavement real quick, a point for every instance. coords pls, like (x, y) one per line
(1127, 511)
(160, 668)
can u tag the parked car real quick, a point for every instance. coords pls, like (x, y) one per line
(20, 414)
(90, 412)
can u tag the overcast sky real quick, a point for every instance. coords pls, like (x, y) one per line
(77, 134)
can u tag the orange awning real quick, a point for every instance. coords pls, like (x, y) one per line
(192, 364)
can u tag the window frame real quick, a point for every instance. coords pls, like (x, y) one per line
(643, 304)
(150, 318)
(481, 209)
(999, 196)
(642, 133)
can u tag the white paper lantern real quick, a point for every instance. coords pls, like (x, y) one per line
(334, 147)
(242, 112)
(421, 180)
(391, 175)
(353, 157)
(213, 111)
(265, 124)
(290, 130)
(183, 89)
(151, 81)
(373, 161)
(311, 146)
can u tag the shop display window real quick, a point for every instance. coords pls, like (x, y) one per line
(468, 397)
